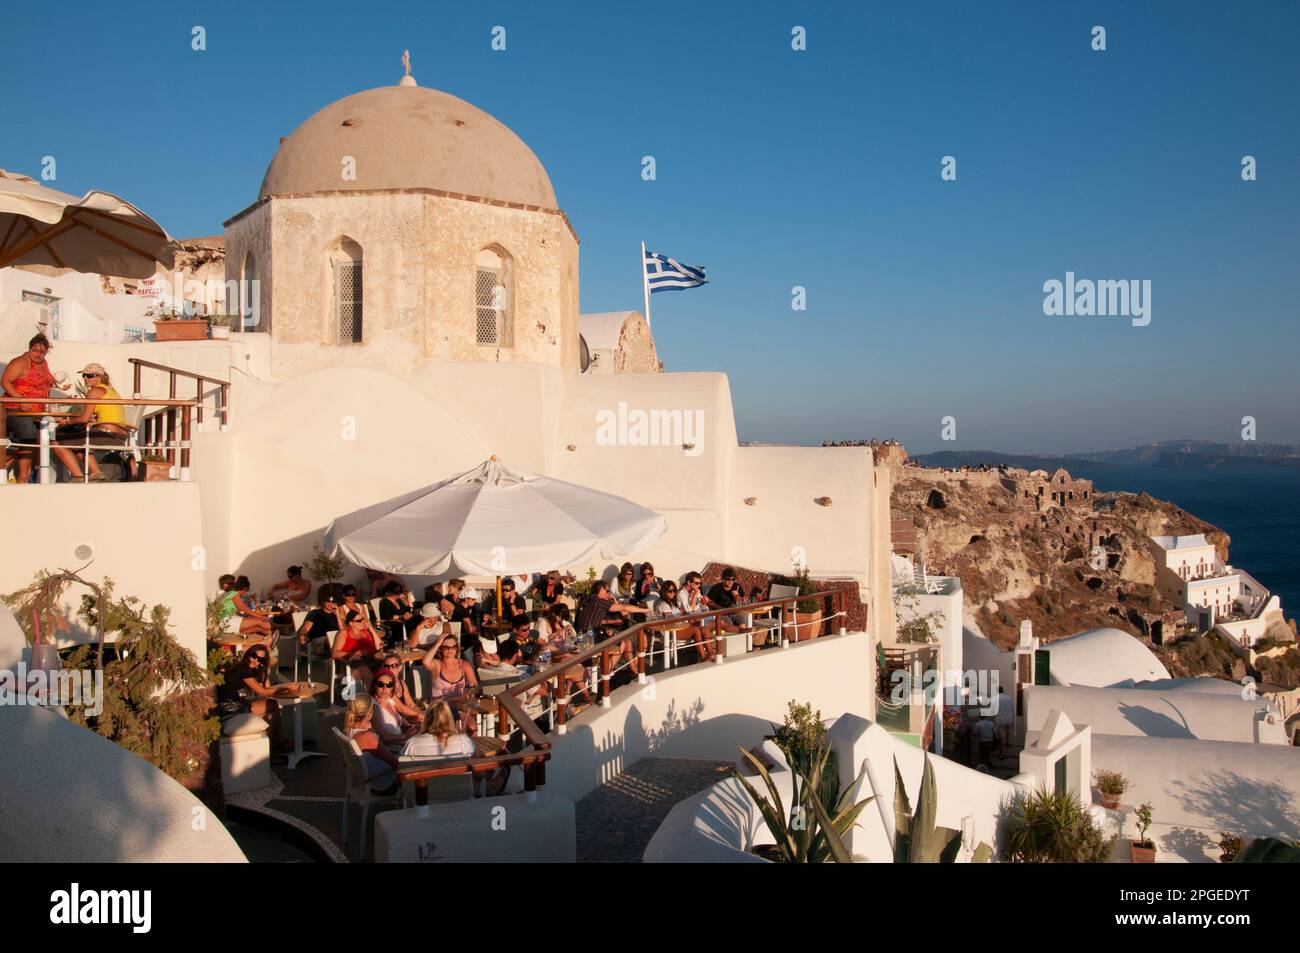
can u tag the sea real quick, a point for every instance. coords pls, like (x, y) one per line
(1259, 507)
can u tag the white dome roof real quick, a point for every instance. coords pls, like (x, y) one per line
(1103, 658)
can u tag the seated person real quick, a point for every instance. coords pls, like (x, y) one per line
(101, 423)
(433, 593)
(555, 634)
(451, 597)
(668, 606)
(319, 626)
(496, 653)
(512, 603)
(376, 580)
(549, 590)
(430, 628)
(450, 676)
(253, 622)
(625, 587)
(393, 720)
(602, 614)
(440, 736)
(396, 614)
(392, 665)
(351, 604)
(293, 588)
(692, 600)
(247, 687)
(647, 588)
(726, 595)
(28, 375)
(379, 763)
(355, 645)
(467, 615)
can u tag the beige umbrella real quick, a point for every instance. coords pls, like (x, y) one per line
(97, 233)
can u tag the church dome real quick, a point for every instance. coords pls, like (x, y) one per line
(408, 137)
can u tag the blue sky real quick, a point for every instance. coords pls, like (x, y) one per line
(778, 168)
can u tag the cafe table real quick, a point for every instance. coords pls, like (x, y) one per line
(295, 696)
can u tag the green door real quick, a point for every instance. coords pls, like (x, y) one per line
(1042, 667)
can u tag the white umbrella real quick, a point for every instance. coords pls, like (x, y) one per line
(98, 233)
(496, 521)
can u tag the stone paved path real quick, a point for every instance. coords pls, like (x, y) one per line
(616, 821)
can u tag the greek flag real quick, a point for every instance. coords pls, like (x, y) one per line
(666, 274)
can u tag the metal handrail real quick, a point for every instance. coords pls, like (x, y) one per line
(533, 760)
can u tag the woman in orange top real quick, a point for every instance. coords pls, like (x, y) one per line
(28, 375)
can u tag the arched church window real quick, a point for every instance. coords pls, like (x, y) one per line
(345, 268)
(493, 298)
(249, 295)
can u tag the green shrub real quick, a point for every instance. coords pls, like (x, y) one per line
(1053, 828)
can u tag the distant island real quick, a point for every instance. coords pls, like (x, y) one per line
(1194, 454)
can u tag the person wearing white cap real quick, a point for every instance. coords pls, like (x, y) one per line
(432, 626)
(107, 420)
(466, 613)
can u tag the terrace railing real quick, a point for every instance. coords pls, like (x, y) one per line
(605, 657)
(175, 448)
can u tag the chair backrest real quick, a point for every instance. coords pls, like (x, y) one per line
(446, 790)
(352, 759)
(298, 619)
(783, 592)
(133, 413)
(374, 609)
(455, 628)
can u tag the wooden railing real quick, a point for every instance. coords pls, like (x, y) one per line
(160, 427)
(532, 759)
(178, 438)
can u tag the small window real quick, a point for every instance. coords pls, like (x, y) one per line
(493, 311)
(348, 292)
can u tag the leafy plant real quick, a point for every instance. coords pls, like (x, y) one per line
(914, 626)
(583, 589)
(325, 568)
(1144, 825)
(813, 831)
(1111, 782)
(801, 736)
(1269, 850)
(917, 837)
(1052, 827)
(156, 699)
(805, 586)
(1230, 846)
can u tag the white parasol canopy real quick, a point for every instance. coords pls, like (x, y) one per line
(494, 521)
(98, 233)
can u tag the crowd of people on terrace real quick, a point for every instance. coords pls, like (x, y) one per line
(462, 640)
(101, 425)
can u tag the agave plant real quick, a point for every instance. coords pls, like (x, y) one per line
(1053, 827)
(813, 831)
(917, 838)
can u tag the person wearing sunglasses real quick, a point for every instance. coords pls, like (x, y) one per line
(355, 644)
(247, 688)
(319, 625)
(647, 588)
(392, 665)
(450, 676)
(393, 721)
(670, 605)
(104, 422)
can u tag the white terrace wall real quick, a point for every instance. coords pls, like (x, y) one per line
(709, 711)
(143, 536)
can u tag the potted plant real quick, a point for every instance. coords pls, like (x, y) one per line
(327, 571)
(1111, 785)
(173, 325)
(582, 589)
(1053, 827)
(1144, 849)
(219, 325)
(1230, 846)
(808, 612)
(155, 469)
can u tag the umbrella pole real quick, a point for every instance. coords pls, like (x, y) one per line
(499, 620)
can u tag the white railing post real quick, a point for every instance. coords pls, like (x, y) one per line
(46, 427)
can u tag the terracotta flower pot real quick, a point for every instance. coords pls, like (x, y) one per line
(1110, 801)
(809, 625)
(1142, 853)
(181, 330)
(156, 471)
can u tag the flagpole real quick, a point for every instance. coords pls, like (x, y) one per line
(645, 286)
